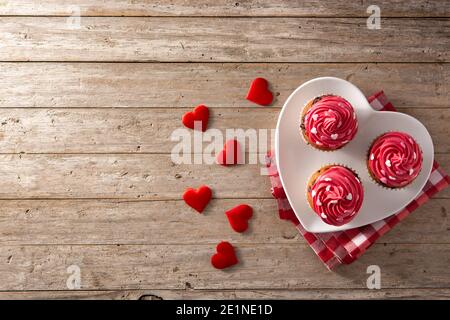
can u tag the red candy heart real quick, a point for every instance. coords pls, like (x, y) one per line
(225, 256)
(239, 216)
(259, 92)
(198, 199)
(200, 113)
(231, 154)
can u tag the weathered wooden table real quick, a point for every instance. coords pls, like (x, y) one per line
(87, 106)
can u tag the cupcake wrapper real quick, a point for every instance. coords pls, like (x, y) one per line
(332, 164)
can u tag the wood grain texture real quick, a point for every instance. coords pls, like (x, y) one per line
(274, 266)
(223, 40)
(135, 176)
(314, 8)
(416, 293)
(122, 177)
(87, 178)
(53, 222)
(150, 130)
(181, 85)
(263, 294)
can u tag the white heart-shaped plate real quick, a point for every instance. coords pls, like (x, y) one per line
(297, 161)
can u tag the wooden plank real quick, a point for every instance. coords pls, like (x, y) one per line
(416, 293)
(76, 295)
(139, 176)
(312, 8)
(276, 266)
(180, 85)
(124, 176)
(224, 39)
(150, 130)
(31, 222)
(319, 294)
(141, 222)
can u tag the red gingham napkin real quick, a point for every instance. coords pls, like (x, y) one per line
(340, 247)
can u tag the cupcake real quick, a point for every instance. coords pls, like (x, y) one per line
(328, 122)
(336, 194)
(395, 160)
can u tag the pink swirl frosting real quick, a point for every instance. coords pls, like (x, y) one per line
(395, 159)
(331, 122)
(337, 195)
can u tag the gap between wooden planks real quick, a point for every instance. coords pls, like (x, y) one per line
(413, 88)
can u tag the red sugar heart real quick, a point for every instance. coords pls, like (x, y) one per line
(231, 153)
(225, 256)
(198, 199)
(259, 92)
(200, 113)
(239, 216)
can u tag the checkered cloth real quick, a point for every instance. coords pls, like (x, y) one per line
(344, 247)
